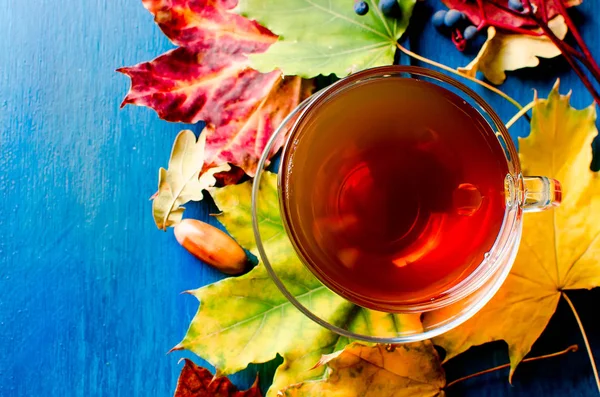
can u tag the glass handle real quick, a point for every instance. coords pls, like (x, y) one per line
(540, 193)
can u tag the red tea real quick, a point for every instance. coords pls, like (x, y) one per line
(393, 191)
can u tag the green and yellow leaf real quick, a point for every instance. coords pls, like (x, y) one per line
(247, 320)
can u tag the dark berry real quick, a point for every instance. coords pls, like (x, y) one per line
(361, 7)
(438, 18)
(452, 18)
(516, 5)
(470, 32)
(388, 7)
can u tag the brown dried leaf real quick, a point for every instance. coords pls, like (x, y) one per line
(195, 381)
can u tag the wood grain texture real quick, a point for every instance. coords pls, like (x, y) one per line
(89, 289)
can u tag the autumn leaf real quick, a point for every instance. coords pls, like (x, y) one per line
(208, 78)
(298, 365)
(208, 75)
(499, 12)
(560, 248)
(325, 36)
(246, 319)
(508, 51)
(182, 181)
(195, 381)
(411, 370)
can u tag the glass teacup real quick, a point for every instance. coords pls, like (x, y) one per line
(387, 258)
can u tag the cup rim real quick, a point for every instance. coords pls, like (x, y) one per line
(509, 233)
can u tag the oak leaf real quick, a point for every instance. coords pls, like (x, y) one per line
(246, 319)
(508, 51)
(209, 78)
(560, 248)
(195, 381)
(407, 370)
(326, 36)
(182, 181)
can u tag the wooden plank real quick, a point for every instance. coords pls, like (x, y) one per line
(89, 289)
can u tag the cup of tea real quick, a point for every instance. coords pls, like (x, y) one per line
(400, 191)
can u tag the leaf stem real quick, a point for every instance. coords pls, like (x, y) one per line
(567, 51)
(563, 47)
(450, 70)
(519, 114)
(585, 339)
(513, 29)
(543, 11)
(481, 9)
(587, 57)
(572, 348)
(573, 29)
(539, 16)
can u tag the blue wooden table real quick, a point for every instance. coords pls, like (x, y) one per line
(89, 288)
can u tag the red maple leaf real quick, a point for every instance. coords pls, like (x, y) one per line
(498, 12)
(532, 20)
(195, 381)
(208, 78)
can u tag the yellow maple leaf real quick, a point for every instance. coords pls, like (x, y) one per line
(560, 248)
(508, 51)
(408, 370)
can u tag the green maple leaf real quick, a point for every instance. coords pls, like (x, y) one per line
(325, 36)
(246, 319)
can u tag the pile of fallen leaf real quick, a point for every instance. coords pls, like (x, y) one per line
(242, 79)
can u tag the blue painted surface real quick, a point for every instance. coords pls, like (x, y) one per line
(89, 289)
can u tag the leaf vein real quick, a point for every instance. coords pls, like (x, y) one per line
(252, 318)
(380, 15)
(349, 20)
(581, 256)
